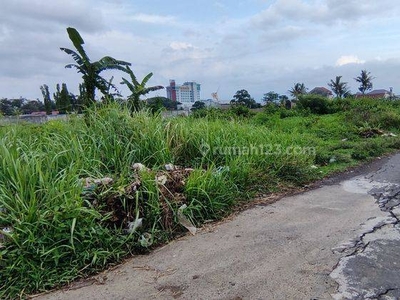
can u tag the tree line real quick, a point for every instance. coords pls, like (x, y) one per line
(12, 107)
(339, 88)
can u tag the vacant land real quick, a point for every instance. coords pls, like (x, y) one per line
(79, 195)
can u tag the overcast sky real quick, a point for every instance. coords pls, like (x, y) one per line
(257, 45)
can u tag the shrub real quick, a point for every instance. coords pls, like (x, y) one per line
(271, 108)
(288, 113)
(365, 150)
(388, 120)
(241, 111)
(262, 118)
(339, 105)
(316, 104)
(322, 158)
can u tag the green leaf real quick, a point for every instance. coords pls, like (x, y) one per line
(128, 84)
(77, 40)
(146, 79)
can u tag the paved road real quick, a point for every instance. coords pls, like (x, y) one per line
(339, 241)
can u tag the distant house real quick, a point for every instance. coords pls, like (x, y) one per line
(38, 113)
(321, 91)
(43, 113)
(378, 94)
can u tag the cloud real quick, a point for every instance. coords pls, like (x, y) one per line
(284, 34)
(322, 12)
(219, 5)
(192, 33)
(154, 19)
(349, 59)
(181, 46)
(31, 33)
(39, 15)
(284, 11)
(351, 10)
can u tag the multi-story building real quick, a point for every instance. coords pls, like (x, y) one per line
(187, 93)
(171, 90)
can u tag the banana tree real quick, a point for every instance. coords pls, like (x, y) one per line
(91, 70)
(138, 89)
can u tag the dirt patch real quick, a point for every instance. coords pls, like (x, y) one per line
(176, 291)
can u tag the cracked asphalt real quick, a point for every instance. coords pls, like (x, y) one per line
(371, 268)
(340, 240)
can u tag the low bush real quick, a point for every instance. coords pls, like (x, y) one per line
(315, 104)
(364, 150)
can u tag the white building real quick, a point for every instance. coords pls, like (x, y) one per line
(187, 93)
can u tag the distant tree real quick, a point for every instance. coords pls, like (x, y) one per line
(138, 89)
(13, 107)
(17, 103)
(46, 98)
(73, 102)
(166, 102)
(316, 104)
(283, 98)
(63, 99)
(90, 70)
(6, 107)
(155, 105)
(270, 97)
(32, 106)
(66, 98)
(285, 102)
(170, 104)
(10, 107)
(241, 110)
(80, 99)
(57, 97)
(242, 97)
(365, 80)
(297, 90)
(339, 87)
(198, 105)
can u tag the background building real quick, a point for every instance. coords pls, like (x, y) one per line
(322, 91)
(187, 93)
(171, 90)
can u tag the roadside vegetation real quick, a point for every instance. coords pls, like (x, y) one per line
(79, 195)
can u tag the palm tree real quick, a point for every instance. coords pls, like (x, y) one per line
(138, 89)
(90, 70)
(297, 90)
(365, 80)
(339, 87)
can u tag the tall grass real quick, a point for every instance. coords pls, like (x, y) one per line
(58, 234)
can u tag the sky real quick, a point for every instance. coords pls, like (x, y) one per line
(226, 46)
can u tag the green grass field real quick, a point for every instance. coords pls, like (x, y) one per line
(57, 223)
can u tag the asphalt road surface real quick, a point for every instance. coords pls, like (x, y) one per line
(338, 241)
